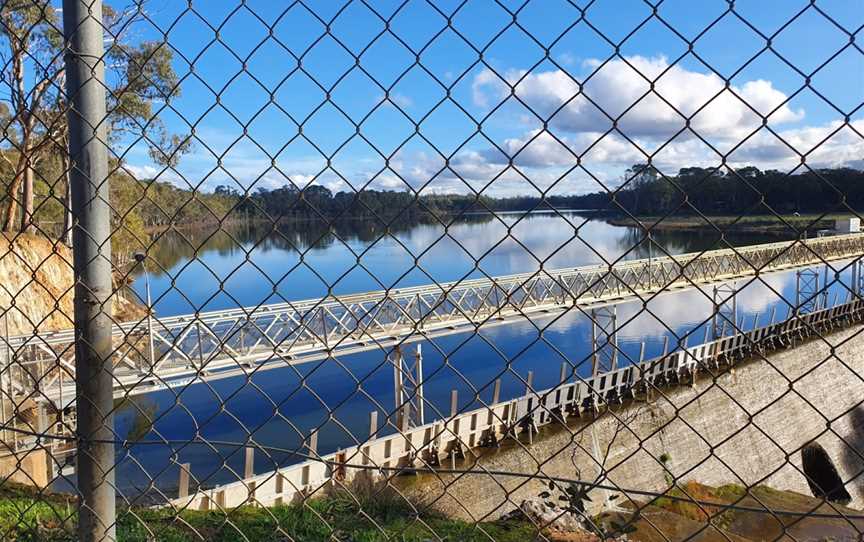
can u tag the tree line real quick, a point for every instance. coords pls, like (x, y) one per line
(316, 201)
(646, 191)
(143, 207)
(643, 191)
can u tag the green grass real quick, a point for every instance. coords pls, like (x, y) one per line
(25, 516)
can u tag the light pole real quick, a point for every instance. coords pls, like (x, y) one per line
(141, 257)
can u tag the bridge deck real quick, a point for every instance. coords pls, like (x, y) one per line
(221, 344)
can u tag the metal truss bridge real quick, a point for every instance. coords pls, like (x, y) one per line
(221, 344)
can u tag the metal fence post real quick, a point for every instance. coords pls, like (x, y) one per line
(85, 89)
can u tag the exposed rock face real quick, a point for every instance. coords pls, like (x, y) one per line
(36, 287)
(700, 513)
(559, 525)
(36, 292)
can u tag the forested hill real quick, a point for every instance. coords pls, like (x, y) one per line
(644, 192)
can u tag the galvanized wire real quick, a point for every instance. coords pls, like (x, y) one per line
(304, 339)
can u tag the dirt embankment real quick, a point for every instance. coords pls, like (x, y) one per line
(37, 287)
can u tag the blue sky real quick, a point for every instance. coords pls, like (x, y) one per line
(371, 116)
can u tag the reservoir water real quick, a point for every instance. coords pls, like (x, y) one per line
(248, 266)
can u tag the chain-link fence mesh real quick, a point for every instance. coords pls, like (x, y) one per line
(431, 270)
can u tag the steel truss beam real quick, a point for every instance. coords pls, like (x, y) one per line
(807, 291)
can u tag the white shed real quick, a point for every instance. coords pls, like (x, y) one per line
(847, 225)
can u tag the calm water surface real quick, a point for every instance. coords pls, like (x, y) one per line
(251, 266)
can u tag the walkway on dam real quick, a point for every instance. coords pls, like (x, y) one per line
(390, 449)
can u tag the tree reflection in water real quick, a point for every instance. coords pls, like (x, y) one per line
(172, 247)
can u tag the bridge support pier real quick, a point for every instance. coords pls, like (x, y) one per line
(807, 291)
(725, 314)
(408, 389)
(23, 458)
(604, 340)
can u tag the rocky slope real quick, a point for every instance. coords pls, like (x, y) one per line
(36, 287)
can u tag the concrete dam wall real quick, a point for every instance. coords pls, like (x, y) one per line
(746, 426)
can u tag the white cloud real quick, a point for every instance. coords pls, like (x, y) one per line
(481, 85)
(829, 145)
(145, 172)
(621, 90)
(567, 58)
(728, 119)
(401, 100)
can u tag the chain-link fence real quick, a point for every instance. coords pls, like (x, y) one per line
(431, 270)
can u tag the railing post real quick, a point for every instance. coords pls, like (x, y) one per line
(454, 403)
(183, 482)
(249, 472)
(85, 91)
(373, 424)
(418, 386)
(454, 410)
(825, 284)
(313, 444)
(398, 394)
(249, 463)
(604, 340)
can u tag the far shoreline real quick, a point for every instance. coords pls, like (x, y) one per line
(767, 224)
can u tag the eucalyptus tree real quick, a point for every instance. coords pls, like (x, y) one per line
(32, 72)
(140, 79)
